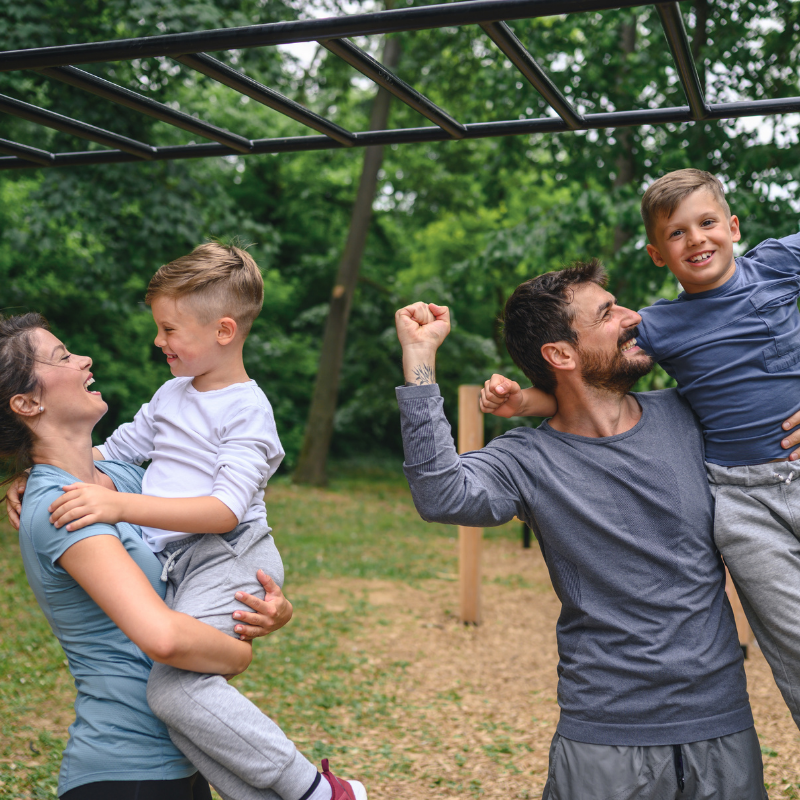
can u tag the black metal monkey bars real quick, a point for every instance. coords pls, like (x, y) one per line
(333, 33)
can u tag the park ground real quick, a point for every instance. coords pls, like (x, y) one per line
(374, 672)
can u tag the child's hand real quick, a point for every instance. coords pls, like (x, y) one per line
(501, 396)
(14, 498)
(271, 613)
(85, 503)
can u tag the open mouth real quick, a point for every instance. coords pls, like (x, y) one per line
(88, 383)
(171, 357)
(701, 258)
(629, 345)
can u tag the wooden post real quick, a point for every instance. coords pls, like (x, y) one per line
(742, 625)
(470, 540)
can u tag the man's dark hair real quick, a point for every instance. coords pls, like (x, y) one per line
(540, 311)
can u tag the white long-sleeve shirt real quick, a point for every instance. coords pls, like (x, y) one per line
(221, 443)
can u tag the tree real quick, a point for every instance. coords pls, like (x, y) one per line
(319, 429)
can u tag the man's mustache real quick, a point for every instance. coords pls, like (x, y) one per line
(629, 334)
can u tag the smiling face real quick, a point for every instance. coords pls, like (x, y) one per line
(696, 243)
(190, 346)
(608, 356)
(64, 380)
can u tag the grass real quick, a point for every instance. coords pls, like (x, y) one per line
(315, 678)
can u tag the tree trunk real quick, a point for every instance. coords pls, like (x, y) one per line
(319, 428)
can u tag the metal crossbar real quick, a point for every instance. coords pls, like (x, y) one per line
(333, 33)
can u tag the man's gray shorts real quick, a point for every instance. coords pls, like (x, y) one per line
(728, 768)
(757, 530)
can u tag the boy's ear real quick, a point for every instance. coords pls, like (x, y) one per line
(226, 330)
(736, 234)
(559, 355)
(656, 256)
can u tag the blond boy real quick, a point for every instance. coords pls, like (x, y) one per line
(731, 340)
(211, 439)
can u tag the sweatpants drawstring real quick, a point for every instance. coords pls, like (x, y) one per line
(169, 564)
(780, 477)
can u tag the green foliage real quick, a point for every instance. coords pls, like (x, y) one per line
(457, 222)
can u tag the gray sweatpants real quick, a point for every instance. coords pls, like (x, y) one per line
(757, 530)
(242, 752)
(728, 768)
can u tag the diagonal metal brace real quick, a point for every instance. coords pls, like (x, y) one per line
(201, 62)
(375, 71)
(34, 154)
(505, 39)
(146, 105)
(672, 22)
(72, 126)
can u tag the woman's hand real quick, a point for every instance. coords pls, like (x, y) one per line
(14, 498)
(83, 504)
(271, 613)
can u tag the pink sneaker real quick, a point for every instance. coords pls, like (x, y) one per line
(343, 790)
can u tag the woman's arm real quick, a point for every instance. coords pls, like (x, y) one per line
(101, 565)
(83, 504)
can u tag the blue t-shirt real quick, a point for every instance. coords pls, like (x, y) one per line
(115, 736)
(735, 352)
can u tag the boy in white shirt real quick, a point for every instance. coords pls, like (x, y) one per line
(211, 438)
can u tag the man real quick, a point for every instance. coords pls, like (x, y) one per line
(651, 685)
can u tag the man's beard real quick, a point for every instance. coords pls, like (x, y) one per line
(614, 373)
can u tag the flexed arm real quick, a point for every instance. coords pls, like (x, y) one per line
(472, 489)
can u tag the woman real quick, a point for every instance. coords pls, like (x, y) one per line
(100, 586)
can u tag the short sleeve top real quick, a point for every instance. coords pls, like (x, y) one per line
(115, 736)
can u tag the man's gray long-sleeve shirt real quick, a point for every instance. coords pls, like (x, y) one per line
(648, 650)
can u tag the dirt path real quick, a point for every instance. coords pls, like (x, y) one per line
(475, 707)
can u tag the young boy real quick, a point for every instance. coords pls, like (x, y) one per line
(211, 439)
(731, 340)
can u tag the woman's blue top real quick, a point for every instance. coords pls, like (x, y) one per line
(115, 736)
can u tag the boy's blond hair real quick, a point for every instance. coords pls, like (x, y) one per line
(221, 281)
(665, 195)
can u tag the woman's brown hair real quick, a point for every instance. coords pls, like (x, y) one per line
(17, 376)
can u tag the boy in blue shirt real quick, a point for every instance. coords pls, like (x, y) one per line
(731, 340)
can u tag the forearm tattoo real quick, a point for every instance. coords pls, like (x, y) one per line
(424, 374)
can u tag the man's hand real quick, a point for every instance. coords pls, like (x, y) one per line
(421, 328)
(501, 396)
(793, 439)
(14, 498)
(83, 504)
(271, 613)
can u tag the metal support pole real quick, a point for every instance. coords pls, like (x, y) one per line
(74, 127)
(377, 72)
(218, 71)
(504, 38)
(470, 540)
(146, 105)
(672, 22)
(466, 12)
(32, 154)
